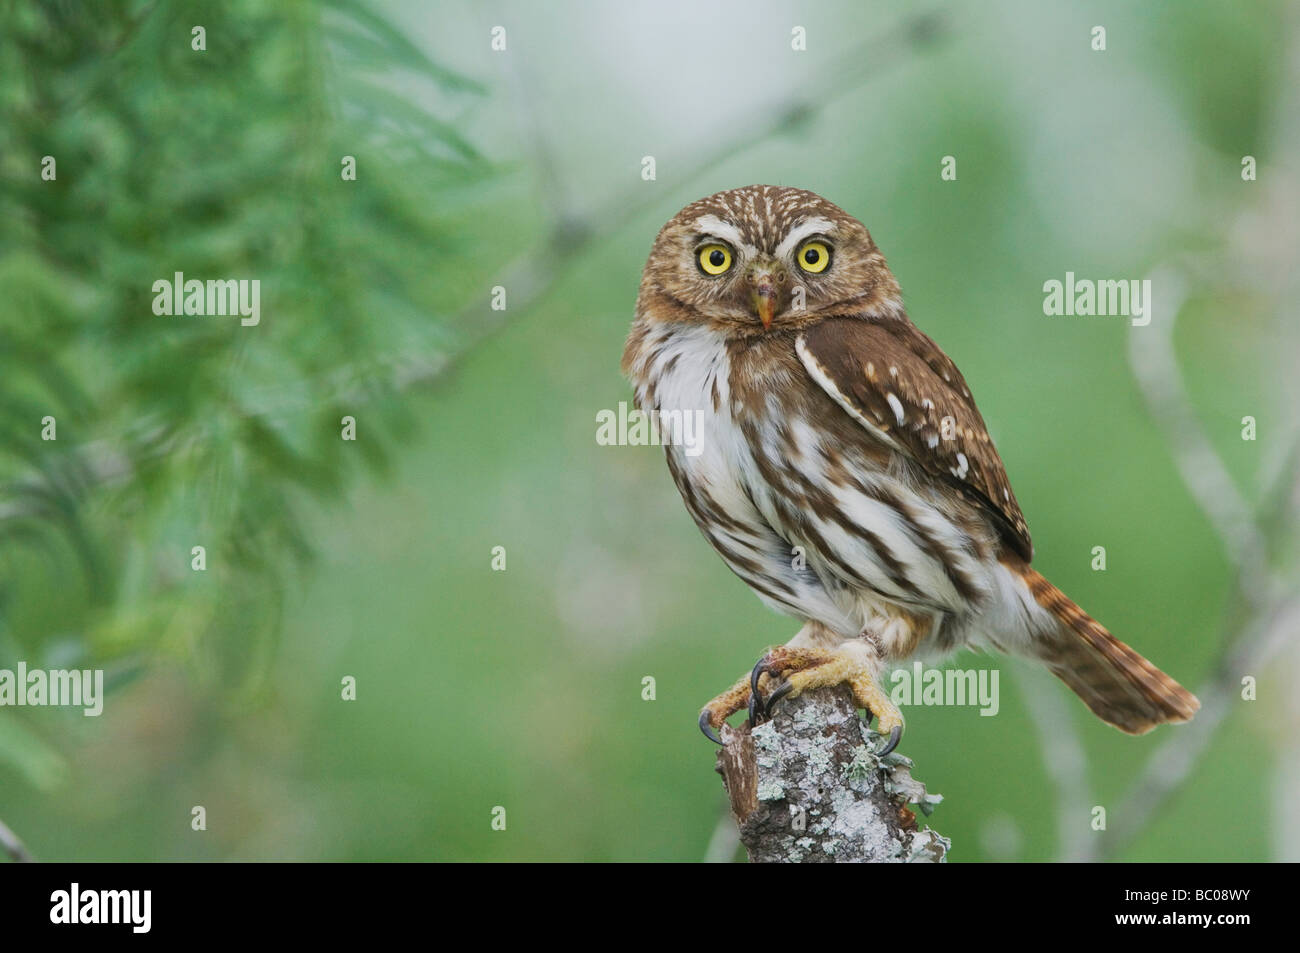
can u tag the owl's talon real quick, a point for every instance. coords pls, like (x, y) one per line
(757, 709)
(716, 712)
(774, 663)
(781, 691)
(706, 726)
(792, 671)
(895, 734)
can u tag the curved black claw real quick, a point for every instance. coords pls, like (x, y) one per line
(894, 735)
(706, 726)
(757, 709)
(785, 688)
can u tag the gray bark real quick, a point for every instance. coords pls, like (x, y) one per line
(807, 787)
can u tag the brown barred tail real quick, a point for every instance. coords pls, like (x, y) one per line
(1120, 686)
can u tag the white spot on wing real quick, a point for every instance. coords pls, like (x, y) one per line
(818, 373)
(896, 406)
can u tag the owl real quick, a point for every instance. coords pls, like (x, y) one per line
(842, 469)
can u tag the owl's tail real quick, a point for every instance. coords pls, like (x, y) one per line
(1119, 685)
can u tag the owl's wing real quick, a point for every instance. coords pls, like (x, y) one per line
(900, 386)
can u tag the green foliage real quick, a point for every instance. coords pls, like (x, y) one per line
(174, 432)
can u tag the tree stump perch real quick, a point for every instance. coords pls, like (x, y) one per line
(807, 787)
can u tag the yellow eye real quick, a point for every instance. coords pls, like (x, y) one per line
(814, 257)
(715, 259)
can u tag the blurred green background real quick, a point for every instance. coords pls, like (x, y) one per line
(476, 428)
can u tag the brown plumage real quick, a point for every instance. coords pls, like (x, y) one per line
(1119, 685)
(933, 419)
(845, 473)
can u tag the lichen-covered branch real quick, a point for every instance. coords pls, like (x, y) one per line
(807, 787)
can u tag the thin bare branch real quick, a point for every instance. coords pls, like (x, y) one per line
(1268, 611)
(1063, 757)
(530, 277)
(12, 846)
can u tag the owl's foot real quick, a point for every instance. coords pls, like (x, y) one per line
(734, 699)
(799, 669)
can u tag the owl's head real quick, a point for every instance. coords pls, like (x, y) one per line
(763, 258)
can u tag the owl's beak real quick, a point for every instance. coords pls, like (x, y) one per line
(765, 294)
